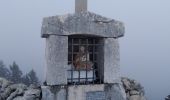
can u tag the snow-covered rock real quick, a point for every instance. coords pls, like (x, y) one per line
(133, 89)
(10, 91)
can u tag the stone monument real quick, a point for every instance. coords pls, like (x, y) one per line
(98, 74)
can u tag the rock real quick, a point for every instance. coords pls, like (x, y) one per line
(126, 83)
(10, 91)
(33, 86)
(115, 92)
(3, 84)
(33, 93)
(18, 86)
(6, 93)
(134, 92)
(19, 98)
(17, 92)
(136, 97)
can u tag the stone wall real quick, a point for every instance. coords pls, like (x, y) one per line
(79, 92)
(85, 92)
(54, 93)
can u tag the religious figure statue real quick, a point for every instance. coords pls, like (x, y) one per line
(82, 61)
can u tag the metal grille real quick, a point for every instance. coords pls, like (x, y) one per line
(85, 60)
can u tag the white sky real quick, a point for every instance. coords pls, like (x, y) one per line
(145, 48)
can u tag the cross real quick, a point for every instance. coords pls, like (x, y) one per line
(80, 5)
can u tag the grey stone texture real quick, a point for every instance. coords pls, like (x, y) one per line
(80, 5)
(56, 60)
(111, 61)
(97, 95)
(53, 93)
(57, 54)
(79, 92)
(84, 92)
(11, 91)
(115, 92)
(73, 92)
(133, 89)
(137, 97)
(82, 23)
(56, 30)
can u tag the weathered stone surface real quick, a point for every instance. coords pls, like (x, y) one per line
(126, 83)
(79, 92)
(17, 92)
(11, 91)
(133, 89)
(53, 93)
(136, 97)
(19, 98)
(115, 92)
(4, 83)
(46, 93)
(134, 92)
(32, 94)
(82, 23)
(80, 5)
(56, 60)
(111, 61)
(97, 95)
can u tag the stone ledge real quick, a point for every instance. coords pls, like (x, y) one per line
(82, 23)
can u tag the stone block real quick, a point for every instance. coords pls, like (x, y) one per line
(82, 23)
(56, 60)
(53, 93)
(80, 92)
(111, 61)
(115, 92)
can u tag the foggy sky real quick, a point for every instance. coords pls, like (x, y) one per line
(145, 48)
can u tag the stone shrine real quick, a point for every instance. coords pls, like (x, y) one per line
(82, 56)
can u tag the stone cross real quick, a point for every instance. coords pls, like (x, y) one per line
(80, 5)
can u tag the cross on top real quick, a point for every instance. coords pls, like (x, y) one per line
(80, 5)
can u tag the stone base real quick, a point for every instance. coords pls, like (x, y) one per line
(53, 93)
(84, 92)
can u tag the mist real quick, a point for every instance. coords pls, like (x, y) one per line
(144, 50)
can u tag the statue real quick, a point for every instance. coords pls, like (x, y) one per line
(82, 61)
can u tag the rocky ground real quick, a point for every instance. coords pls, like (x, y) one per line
(133, 89)
(10, 91)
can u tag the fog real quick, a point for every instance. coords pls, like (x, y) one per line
(145, 48)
